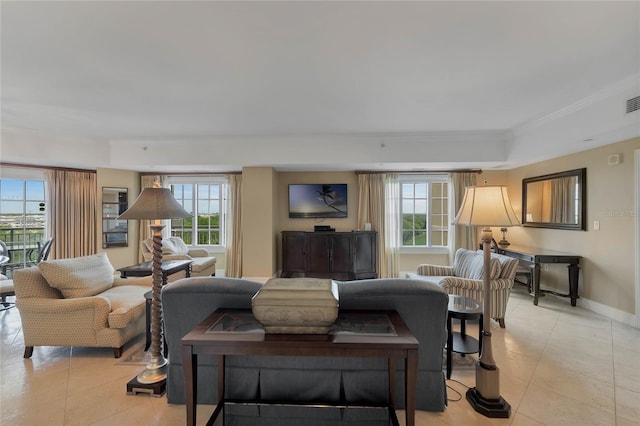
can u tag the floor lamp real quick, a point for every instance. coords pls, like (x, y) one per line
(487, 206)
(155, 204)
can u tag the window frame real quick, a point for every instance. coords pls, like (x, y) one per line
(28, 175)
(428, 179)
(206, 180)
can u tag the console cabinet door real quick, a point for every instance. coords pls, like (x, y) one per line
(293, 254)
(365, 255)
(341, 260)
(318, 256)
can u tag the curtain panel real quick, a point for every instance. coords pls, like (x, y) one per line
(233, 229)
(461, 236)
(72, 214)
(377, 194)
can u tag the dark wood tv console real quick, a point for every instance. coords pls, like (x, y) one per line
(336, 255)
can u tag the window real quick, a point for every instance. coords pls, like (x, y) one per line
(22, 220)
(206, 198)
(424, 210)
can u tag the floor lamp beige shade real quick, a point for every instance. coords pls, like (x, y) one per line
(155, 204)
(487, 206)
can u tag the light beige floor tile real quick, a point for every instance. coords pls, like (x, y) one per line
(577, 386)
(627, 404)
(626, 336)
(50, 413)
(522, 420)
(553, 408)
(594, 365)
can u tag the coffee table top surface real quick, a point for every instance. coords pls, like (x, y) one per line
(147, 266)
(351, 327)
(463, 305)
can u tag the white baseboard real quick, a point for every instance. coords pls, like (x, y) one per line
(609, 312)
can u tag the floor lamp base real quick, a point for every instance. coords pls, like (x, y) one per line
(494, 408)
(154, 389)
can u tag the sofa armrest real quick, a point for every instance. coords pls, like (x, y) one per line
(198, 253)
(435, 270)
(53, 311)
(475, 285)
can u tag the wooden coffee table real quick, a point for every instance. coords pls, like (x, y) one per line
(168, 267)
(356, 334)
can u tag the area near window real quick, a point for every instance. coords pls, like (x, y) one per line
(424, 211)
(22, 221)
(204, 199)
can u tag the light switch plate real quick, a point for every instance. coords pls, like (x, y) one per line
(596, 225)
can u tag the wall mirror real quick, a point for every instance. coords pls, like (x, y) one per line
(114, 203)
(556, 200)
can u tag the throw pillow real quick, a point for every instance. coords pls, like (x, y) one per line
(79, 277)
(179, 246)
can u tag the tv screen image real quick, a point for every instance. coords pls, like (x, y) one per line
(318, 200)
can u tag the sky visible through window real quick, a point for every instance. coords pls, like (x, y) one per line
(14, 193)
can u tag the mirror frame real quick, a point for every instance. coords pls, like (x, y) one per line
(581, 174)
(110, 211)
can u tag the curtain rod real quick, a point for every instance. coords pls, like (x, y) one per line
(416, 172)
(191, 174)
(33, 166)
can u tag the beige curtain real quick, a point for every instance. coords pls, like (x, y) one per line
(562, 200)
(461, 236)
(234, 227)
(374, 208)
(72, 214)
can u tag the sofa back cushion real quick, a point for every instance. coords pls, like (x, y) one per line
(171, 245)
(470, 264)
(80, 276)
(508, 265)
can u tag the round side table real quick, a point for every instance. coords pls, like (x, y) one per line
(464, 309)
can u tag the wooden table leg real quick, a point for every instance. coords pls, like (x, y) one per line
(221, 378)
(410, 381)
(392, 381)
(574, 274)
(190, 371)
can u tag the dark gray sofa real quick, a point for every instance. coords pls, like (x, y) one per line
(422, 305)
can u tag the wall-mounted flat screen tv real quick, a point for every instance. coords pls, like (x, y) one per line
(318, 200)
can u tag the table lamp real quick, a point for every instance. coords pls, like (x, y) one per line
(487, 206)
(155, 204)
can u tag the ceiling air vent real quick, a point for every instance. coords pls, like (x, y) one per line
(633, 104)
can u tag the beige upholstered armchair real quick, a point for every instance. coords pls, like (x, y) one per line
(173, 248)
(465, 278)
(79, 302)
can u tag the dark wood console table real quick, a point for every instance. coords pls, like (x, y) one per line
(336, 255)
(536, 257)
(355, 334)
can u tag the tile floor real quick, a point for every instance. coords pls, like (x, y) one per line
(558, 366)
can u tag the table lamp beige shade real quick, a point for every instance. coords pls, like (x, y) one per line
(155, 204)
(487, 206)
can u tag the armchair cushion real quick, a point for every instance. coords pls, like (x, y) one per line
(125, 304)
(79, 277)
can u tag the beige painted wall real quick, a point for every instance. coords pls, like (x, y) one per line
(115, 178)
(259, 205)
(609, 257)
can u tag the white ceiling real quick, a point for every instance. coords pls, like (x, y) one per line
(269, 83)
